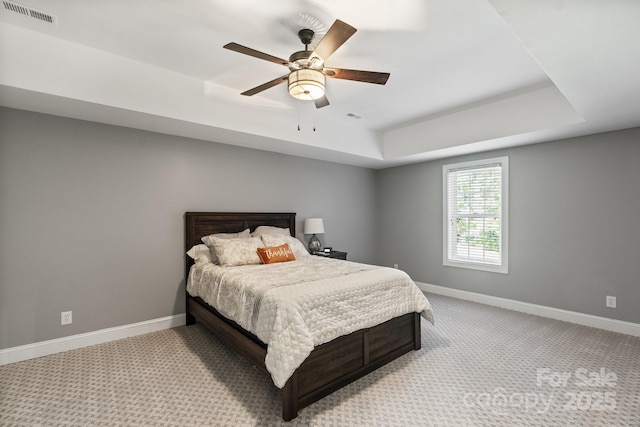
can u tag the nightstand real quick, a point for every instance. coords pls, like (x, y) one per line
(334, 254)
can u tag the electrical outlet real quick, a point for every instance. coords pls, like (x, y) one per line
(65, 318)
(611, 301)
(395, 265)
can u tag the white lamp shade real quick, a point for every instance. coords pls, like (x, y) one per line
(306, 84)
(313, 226)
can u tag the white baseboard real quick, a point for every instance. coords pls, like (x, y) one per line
(45, 348)
(605, 323)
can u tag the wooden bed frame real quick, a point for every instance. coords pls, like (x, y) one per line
(330, 366)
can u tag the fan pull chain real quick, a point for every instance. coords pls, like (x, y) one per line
(314, 118)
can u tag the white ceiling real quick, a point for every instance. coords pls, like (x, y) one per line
(466, 75)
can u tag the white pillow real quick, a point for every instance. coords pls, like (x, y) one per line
(200, 254)
(280, 239)
(207, 240)
(267, 229)
(240, 251)
(242, 234)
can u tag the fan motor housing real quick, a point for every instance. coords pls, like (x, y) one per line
(300, 59)
(300, 56)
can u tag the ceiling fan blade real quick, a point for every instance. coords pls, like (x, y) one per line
(357, 75)
(322, 102)
(255, 53)
(265, 86)
(337, 34)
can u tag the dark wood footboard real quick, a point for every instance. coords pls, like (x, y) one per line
(338, 363)
(330, 366)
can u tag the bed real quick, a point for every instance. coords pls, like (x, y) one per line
(330, 365)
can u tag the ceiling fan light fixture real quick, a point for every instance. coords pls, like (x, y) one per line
(307, 72)
(306, 84)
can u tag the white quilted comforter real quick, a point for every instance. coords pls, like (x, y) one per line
(295, 306)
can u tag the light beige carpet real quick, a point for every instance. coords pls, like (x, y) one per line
(478, 365)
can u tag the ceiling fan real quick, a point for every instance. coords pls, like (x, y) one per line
(307, 72)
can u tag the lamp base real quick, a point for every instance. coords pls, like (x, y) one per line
(314, 244)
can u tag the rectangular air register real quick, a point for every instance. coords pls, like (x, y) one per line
(30, 12)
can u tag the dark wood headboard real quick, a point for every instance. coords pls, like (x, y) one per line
(200, 224)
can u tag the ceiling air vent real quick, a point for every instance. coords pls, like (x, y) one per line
(30, 12)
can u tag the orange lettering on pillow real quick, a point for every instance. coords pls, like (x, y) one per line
(273, 254)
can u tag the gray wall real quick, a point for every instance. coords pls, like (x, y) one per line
(91, 220)
(91, 217)
(574, 230)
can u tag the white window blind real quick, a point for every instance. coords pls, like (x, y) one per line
(475, 214)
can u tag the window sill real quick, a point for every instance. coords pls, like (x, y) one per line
(502, 269)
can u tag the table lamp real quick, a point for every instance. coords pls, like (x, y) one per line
(314, 226)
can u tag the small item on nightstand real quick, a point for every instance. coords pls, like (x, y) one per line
(332, 254)
(327, 251)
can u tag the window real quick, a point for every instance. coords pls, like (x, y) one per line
(476, 214)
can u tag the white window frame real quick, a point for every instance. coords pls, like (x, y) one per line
(449, 232)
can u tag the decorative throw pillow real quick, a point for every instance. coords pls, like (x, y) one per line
(201, 254)
(207, 240)
(267, 229)
(273, 254)
(239, 251)
(299, 251)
